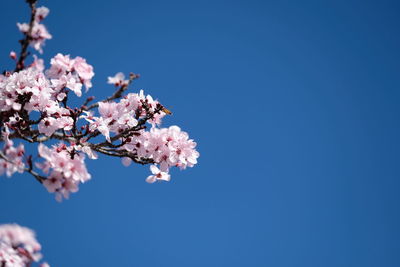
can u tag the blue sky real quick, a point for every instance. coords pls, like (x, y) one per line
(295, 108)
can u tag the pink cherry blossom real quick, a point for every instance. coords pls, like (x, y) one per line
(48, 126)
(9, 257)
(53, 182)
(168, 147)
(84, 70)
(41, 13)
(15, 156)
(37, 64)
(69, 72)
(157, 175)
(85, 148)
(67, 169)
(39, 32)
(68, 81)
(109, 110)
(13, 55)
(26, 82)
(18, 246)
(60, 65)
(118, 79)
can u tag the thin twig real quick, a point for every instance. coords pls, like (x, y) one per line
(28, 38)
(37, 176)
(117, 94)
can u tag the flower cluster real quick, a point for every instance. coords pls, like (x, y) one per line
(18, 246)
(70, 73)
(15, 159)
(27, 87)
(116, 117)
(33, 90)
(168, 147)
(66, 169)
(38, 33)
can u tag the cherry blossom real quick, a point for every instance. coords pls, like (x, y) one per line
(18, 246)
(168, 147)
(84, 71)
(48, 126)
(13, 55)
(14, 161)
(9, 257)
(38, 32)
(37, 64)
(70, 73)
(67, 169)
(41, 13)
(157, 175)
(118, 79)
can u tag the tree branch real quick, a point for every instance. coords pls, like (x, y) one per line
(28, 38)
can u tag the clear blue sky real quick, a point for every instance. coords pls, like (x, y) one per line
(295, 107)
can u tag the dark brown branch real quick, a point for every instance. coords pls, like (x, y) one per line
(123, 154)
(28, 38)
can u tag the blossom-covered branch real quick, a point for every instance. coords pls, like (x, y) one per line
(34, 108)
(34, 33)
